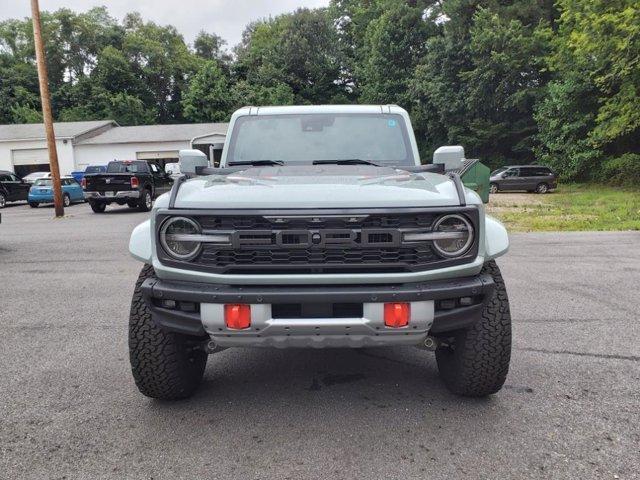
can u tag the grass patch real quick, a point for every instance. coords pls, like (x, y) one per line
(572, 207)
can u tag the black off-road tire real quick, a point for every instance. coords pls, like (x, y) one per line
(476, 362)
(145, 201)
(165, 365)
(98, 207)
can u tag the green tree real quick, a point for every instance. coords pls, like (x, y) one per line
(298, 49)
(393, 46)
(268, 93)
(162, 60)
(208, 97)
(19, 92)
(480, 78)
(505, 81)
(565, 116)
(591, 114)
(210, 46)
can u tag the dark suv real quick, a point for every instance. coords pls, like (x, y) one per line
(12, 188)
(532, 178)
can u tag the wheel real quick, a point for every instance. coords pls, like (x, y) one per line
(493, 188)
(33, 204)
(542, 188)
(145, 202)
(165, 365)
(3, 200)
(98, 207)
(66, 200)
(476, 360)
(132, 203)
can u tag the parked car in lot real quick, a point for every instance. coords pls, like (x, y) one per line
(325, 232)
(135, 183)
(173, 169)
(12, 188)
(79, 175)
(532, 178)
(42, 192)
(33, 176)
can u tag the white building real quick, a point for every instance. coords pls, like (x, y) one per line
(23, 148)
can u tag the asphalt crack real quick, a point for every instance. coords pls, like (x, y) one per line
(560, 320)
(609, 356)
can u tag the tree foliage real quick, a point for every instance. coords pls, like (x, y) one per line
(552, 81)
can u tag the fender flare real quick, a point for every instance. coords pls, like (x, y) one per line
(140, 242)
(496, 238)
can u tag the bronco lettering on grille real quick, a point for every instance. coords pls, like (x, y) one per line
(325, 238)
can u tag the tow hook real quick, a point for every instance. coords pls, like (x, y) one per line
(431, 343)
(208, 346)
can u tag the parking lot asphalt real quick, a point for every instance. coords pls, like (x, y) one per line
(69, 407)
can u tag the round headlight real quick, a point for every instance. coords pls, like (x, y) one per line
(457, 235)
(175, 238)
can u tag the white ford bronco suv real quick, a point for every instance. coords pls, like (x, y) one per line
(320, 228)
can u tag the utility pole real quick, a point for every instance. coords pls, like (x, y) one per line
(45, 99)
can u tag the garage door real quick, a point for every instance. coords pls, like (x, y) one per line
(30, 160)
(30, 156)
(157, 155)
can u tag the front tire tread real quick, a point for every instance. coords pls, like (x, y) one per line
(477, 363)
(164, 364)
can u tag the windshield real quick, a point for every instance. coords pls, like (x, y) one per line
(303, 139)
(127, 167)
(498, 171)
(43, 182)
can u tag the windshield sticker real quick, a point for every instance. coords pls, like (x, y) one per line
(391, 123)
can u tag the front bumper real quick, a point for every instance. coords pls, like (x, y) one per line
(436, 308)
(108, 196)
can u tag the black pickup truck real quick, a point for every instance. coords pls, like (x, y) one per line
(135, 183)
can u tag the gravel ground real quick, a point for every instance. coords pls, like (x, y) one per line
(69, 408)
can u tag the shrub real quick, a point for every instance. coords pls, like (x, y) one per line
(623, 170)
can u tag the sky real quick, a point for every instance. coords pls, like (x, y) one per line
(226, 18)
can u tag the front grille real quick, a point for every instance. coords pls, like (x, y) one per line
(316, 261)
(267, 222)
(353, 242)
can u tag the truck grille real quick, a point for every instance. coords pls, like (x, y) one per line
(316, 261)
(360, 242)
(267, 222)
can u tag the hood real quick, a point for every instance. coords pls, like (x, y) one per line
(318, 186)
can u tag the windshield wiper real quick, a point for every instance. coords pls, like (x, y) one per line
(258, 162)
(345, 161)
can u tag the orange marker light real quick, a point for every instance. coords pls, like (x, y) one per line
(237, 317)
(397, 315)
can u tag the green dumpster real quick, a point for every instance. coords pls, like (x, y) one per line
(475, 176)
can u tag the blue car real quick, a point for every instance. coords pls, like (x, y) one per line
(42, 192)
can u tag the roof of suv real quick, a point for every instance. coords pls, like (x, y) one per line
(311, 109)
(520, 166)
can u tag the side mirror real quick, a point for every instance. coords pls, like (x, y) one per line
(451, 156)
(504, 175)
(190, 159)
